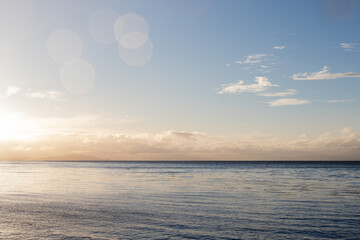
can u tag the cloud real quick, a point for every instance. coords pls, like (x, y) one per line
(228, 64)
(288, 92)
(10, 91)
(350, 47)
(287, 102)
(341, 144)
(51, 95)
(186, 135)
(347, 45)
(339, 100)
(279, 47)
(262, 84)
(346, 131)
(251, 59)
(323, 74)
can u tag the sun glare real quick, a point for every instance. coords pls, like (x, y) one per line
(14, 126)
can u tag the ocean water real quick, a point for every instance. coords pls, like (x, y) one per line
(179, 200)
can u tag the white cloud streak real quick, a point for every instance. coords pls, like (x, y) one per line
(287, 102)
(288, 92)
(279, 47)
(339, 100)
(251, 59)
(50, 94)
(323, 74)
(262, 84)
(350, 47)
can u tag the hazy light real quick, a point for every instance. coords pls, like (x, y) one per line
(64, 45)
(15, 126)
(8, 125)
(101, 25)
(131, 28)
(77, 76)
(137, 57)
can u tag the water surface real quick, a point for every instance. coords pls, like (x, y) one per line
(179, 200)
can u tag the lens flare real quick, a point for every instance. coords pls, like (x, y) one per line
(131, 30)
(137, 57)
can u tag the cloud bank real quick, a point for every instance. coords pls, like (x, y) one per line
(182, 145)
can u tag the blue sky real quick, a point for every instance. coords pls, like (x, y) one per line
(199, 77)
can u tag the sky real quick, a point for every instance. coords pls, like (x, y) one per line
(179, 80)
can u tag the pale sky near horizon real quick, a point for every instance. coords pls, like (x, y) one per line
(179, 80)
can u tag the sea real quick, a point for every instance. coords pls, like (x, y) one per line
(179, 200)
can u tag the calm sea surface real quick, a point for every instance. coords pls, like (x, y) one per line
(179, 200)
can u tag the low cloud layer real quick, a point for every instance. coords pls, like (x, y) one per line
(181, 145)
(323, 74)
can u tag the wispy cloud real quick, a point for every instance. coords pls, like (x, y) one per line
(262, 84)
(51, 95)
(288, 92)
(340, 100)
(10, 91)
(279, 47)
(323, 75)
(350, 47)
(287, 102)
(251, 59)
(13, 90)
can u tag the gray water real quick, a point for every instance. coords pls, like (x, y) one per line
(181, 200)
